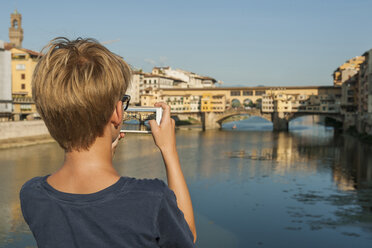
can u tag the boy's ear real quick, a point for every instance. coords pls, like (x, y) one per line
(117, 115)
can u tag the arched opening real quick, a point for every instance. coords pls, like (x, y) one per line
(235, 103)
(314, 124)
(15, 24)
(246, 122)
(248, 103)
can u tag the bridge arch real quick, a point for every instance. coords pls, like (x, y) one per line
(221, 118)
(336, 117)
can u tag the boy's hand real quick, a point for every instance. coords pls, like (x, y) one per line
(164, 135)
(116, 142)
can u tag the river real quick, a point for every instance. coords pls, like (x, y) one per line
(250, 187)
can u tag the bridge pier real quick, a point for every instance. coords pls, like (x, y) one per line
(209, 121)
(280, 122)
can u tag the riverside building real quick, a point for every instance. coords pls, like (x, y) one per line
(23, 62)
(145, 87)
(23, 65)
(6, 103)
(355, 79)
(190, 79)
(347, 70)
(364, 95)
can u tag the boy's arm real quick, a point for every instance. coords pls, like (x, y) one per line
(165, 139)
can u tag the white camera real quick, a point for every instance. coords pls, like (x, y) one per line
(135, 117)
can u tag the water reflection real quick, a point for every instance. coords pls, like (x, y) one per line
(249, 188)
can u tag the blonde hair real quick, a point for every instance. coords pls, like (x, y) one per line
(76, 85)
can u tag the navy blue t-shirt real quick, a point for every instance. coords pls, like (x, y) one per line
(129, 213)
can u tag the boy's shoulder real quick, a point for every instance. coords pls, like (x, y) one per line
(31, 185)
(152, 186)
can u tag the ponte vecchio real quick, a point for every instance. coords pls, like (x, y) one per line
(276, 104)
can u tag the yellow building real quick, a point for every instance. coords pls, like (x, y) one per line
(23, 65)
(206, 102)
(213, 103)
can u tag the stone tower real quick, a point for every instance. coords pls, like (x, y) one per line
(15, 30)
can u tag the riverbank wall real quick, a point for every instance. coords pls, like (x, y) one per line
(23, 133)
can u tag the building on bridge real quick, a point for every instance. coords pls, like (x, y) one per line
(323, 102)
(213, 102)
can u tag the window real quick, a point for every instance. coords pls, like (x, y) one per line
(25, 106)
(247, 93)
(23, 76)
(20, 67)
(15, 24)
(23, 86)
(235, 93)
(260, 92)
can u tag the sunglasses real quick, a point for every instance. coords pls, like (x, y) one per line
(126, 100)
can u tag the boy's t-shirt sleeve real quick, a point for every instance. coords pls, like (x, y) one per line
(172, 227)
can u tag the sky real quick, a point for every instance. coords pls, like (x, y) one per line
(242, 43)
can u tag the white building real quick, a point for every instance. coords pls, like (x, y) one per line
(6, 103)
(157, 81)
(186, 79)
(168, 71)
(134, 88)
(195, 103)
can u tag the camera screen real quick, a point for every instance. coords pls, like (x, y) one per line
(137, 121)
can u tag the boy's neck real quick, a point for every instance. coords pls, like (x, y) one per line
(98, 157)
(85, 171)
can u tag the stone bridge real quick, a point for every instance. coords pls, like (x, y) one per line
(214, 120)
(280, 120)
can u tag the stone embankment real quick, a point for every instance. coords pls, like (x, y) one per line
(23, 133)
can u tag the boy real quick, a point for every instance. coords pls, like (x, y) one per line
(78, 87)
